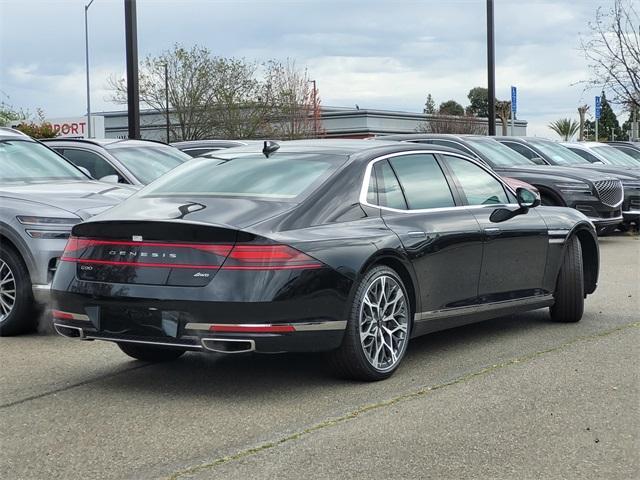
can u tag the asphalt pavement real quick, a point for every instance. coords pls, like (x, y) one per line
(515, 397)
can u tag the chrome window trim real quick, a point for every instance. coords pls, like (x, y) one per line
(521, 145)
(367, 178)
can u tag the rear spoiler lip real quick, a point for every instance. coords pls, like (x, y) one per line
(87, 229)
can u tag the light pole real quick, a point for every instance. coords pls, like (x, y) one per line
(86, 52)
(315, 107)
(166, 96)
(131, 48)
(491, 69)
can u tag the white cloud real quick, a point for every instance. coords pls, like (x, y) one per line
(376, 53)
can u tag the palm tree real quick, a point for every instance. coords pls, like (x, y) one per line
(582, 111)
(565, 127)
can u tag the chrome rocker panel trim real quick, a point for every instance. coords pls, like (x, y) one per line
(538, 301)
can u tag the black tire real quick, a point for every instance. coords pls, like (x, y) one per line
(151, 353)
(350, 360)
(21, 317)
(569, 294)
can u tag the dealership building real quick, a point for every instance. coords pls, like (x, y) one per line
(337, 122)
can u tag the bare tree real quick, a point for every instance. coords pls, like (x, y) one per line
(242, 102)
(190, 79)
(582, 111)
(296, 107)
(503, 111)
(459, 124)
(613, 49)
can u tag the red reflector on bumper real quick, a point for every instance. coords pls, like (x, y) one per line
(252, 328)
(62, 315)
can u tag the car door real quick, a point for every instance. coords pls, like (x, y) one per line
(515, 250)
(442, 238)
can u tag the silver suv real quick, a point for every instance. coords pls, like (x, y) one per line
(42, 196)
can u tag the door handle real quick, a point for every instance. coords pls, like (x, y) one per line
(492, 231)
(416, 234)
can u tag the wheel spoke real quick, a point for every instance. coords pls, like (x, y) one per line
(7, 290)
(384, 322)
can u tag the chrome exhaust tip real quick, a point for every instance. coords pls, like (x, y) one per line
(228, 345)
(68, 331)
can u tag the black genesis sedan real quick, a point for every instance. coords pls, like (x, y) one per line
(346, 246)
(598, 195)
(552, 153)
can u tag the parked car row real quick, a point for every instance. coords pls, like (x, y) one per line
(551, 153)
(346, 246)
(599, 195)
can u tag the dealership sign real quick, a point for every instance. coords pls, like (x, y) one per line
(77, 127)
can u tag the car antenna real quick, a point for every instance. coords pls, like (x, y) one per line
(269, 148)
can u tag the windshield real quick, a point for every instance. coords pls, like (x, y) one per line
(285, 177)
(148, 162)
(22, 161)
(614, 156)
(558, 154)
(497, 154)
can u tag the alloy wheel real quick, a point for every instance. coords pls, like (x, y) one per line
(384, 321)
(7, 290)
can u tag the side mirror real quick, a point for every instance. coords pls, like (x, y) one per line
(109, 179)
(538, 161)
(526, 198)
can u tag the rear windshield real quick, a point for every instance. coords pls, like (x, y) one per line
(148, 162)
(22, 161)
(616, 157)
(559, 154)
(284, 177)
(497, 154)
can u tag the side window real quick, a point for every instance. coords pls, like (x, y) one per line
(454, 145)
(629, 151)
(585, 155)
(389, 191)
(521, 149)
(478, 186)
(97, 166)
(423, 181)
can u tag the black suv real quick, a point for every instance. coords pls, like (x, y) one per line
(542, 151)
(597, 195)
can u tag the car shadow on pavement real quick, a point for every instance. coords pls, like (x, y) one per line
(235, 376)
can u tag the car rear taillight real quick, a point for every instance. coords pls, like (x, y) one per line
(268, 257)
(186, 255)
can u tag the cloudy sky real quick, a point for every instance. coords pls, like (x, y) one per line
(376, 53)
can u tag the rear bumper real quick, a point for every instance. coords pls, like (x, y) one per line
(307, 337)
(606, 222)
